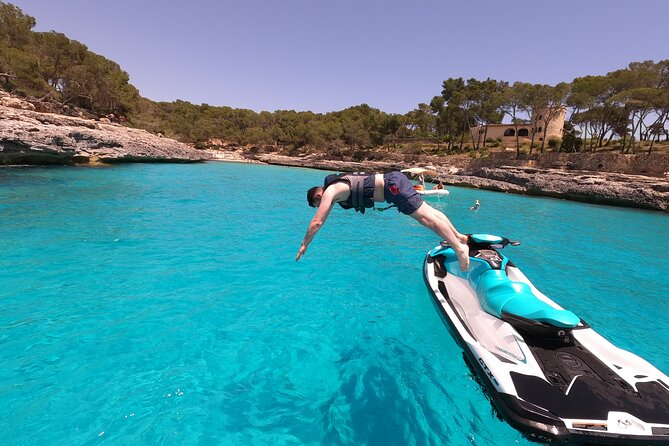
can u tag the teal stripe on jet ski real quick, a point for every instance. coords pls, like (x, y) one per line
(497, 293)
(537, 310)
(439, 250)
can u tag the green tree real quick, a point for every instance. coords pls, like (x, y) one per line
(484, 102)
(422, 120)
(15, 26)
(637, 92)
(553, 101)
(458, 108)
(512, 103)
(59, 57)
(591, 110)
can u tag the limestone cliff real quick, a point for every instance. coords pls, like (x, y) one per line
(29, 137)
(591, 187)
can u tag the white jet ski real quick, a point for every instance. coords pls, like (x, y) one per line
(547, 372)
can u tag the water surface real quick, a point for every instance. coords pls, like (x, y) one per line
(161, 304)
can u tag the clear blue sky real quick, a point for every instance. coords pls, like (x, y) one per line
(326, 55)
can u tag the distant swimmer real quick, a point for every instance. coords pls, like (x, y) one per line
(476, 206)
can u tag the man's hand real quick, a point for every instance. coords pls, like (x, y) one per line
(301, 252)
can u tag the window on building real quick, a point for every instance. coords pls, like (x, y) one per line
(510, 132)
(523, 132)
(539, 129)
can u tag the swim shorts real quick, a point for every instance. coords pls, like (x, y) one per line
(398, 190)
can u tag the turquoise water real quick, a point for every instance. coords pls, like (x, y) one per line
(161, 304)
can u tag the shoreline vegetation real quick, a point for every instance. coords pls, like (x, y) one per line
(60, 103)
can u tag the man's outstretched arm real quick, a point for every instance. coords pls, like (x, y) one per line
(317, 222)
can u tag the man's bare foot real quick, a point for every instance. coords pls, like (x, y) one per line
(463, 257)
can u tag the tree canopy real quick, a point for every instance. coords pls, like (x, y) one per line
(50, 65)
(628, 105)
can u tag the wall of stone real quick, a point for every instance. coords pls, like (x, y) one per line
(656, 165)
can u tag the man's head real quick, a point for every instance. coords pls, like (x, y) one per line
(314, 196)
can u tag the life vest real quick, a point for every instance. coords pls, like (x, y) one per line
(362, 189)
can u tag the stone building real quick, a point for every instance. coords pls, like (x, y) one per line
(507, 132)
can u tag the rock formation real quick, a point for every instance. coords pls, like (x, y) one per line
(29, 137)
(591, 187)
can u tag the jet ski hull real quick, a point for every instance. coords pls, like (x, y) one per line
(551, 383)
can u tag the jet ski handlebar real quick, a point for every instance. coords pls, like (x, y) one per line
(478, 242)
(490, 241)
(505, 242)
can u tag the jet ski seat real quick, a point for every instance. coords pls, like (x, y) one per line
(497, 293)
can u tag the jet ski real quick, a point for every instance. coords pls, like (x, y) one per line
(546, 371)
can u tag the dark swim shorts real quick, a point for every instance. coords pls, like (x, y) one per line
(398, 190)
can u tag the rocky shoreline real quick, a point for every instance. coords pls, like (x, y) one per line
(608, 188)
(28, 137)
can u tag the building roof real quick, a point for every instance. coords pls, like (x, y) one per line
(501, 125)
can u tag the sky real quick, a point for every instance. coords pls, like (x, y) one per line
(327, 55)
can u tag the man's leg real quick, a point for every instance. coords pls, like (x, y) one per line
(427, 216)
(439, 214)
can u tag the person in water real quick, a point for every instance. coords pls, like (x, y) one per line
(476, 206)
(359, 191)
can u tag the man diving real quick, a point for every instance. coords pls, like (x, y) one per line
(359, 191)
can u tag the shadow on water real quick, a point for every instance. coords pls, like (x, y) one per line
(385, 400)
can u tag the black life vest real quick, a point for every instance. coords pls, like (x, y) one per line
(362, 189)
